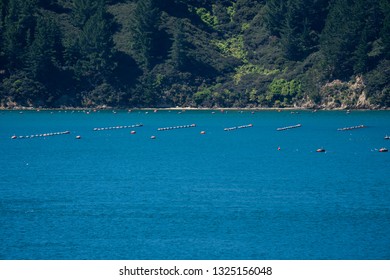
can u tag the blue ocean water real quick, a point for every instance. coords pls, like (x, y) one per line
(186, 195)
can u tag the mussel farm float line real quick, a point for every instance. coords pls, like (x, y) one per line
(117, 127)
(288, 127)
(176, 127)
(351, 127)
(41, 135)
(238, 127)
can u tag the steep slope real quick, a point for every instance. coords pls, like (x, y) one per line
(243, 53)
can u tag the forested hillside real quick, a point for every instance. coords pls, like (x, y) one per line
(150, 53)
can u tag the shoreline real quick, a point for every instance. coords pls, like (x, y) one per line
(187, 109)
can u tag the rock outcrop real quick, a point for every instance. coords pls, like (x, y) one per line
(344, 95)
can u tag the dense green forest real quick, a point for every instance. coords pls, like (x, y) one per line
(150, 53)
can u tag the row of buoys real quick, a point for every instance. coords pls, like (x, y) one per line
(322, 150)
(351, 127)
(238, 127)
(381, 150)
(41, 135)
(117, 127)
(319, 150)
(176, 127)
(288, 127)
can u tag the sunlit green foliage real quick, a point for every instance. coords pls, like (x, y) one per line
(249, 68)
(233, 46)
(207, 17)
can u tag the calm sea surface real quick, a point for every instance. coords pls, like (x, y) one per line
(186, 195)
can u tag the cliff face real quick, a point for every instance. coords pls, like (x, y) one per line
(345, 95)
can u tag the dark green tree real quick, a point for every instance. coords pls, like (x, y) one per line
(385, 30)
(144, 25)
(19, 25)
(295, 31)
(361, 20)
(367, 20)
(46, 50)
(361, 54)
(94, 46)
(178, 49)
(275, 15)
(297, 23)
(83, 10)
(339, 39)
(351, 32)
(3, 11)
